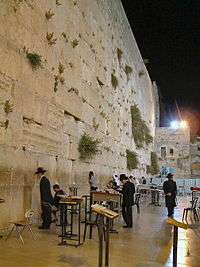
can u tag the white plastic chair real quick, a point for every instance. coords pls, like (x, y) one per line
(20, 226)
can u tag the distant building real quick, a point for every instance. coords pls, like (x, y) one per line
(195, 158)
(173, 150)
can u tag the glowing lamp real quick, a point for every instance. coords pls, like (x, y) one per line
(174, 124)
(183, 124)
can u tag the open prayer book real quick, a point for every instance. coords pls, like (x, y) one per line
(104, 211)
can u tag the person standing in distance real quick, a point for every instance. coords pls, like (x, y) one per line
(170, 190)
(128, 191)
(46, 198)
(93, 181)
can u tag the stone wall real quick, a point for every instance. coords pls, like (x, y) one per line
(173, 150)
(44, 111)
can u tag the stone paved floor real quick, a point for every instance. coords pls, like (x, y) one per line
(148, 244)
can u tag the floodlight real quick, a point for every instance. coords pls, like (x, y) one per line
(183, 124)
(174, 124)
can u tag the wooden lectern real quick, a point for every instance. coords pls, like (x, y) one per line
(110, 215)
(176, 225)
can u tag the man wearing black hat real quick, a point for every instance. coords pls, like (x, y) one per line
(170, 190)
(128, 191)
(46, 198)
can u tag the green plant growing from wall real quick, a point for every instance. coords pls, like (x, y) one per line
(103, 114)
(141, 73)
(107, 148)
(65, 37)
(8, 107)
(74, 2)
(132, 160)
(50, 39)
(74, 43)
(4, 124)
(140, 131)
(34, 59)
(74, 90)
(154, 167)
(114, 81)
(88, 147)
(56, 80)
(58, 3)
(49, 14)
(128, 70)
(61, 68)
(119, 55)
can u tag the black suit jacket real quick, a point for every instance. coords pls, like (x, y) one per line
(128, 191)
(45, 190)
(170, 187)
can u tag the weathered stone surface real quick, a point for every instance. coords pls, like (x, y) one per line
(52, 108)
(176, 156)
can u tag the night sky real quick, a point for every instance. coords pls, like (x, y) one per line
(168, 34)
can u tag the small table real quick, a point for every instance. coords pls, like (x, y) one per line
(67, 206)
(155, 196)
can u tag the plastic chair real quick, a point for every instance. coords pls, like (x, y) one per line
(20, 226)
(193, 209)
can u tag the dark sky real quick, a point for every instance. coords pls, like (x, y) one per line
(168, 34)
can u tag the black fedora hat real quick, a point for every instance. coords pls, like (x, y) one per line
(40, 170)
(170, 175)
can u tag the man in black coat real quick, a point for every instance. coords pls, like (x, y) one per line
(128, 191)
(46, 198)
(170, 190)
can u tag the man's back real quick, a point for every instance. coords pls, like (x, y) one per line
(128, 191)
(45, 190)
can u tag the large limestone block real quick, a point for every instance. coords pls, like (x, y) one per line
(73, 148)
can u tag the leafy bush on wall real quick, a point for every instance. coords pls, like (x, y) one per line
(154, 167)
(132, 160)
(88, 147)
(34, 59)
(140, 130)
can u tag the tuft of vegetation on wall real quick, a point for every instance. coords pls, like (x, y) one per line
(58, 3)
(74, 43)
(141, 73)
(88, 147)
(128, 70)
(4, 124)
(119, 55)
(50, 39)
(140, 130)
(132, 160)
(8, 107)
(61, 68)
(114, 81)
(154, 167)
(49, 14)
(34, 59)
